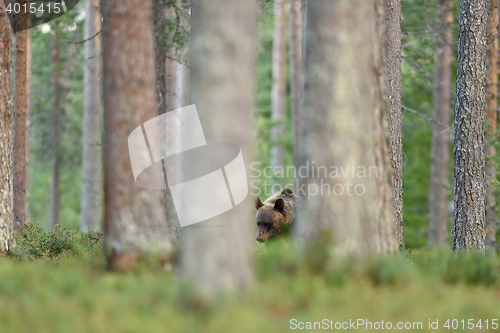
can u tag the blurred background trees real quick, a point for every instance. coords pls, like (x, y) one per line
(429, 44)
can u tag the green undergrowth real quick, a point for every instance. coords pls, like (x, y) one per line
(35, 242)
(63, 287)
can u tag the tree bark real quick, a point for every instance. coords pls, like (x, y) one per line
(54, 193)
(20, 120)
(279, 82)
(440, 150)
(296, 82)
(6, 171)
(28, 124)
(386, 240)
(215, 255)
(134, 218)
(91, 208)
(491, 128)
(469, 215)
(338, 128)
(393, 19)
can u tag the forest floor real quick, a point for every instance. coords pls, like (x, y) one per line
(57, 282)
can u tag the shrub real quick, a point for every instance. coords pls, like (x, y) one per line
(34, 242)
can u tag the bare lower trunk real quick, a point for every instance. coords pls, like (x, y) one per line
(54, 193)
(296, 82)
(20, 122)
(279, 82)
(91, 208)
(6, 172)
(491, 128)
(215, 254)
(393, 19)
(469, 216)
(134, 219)
(386, 241)
(440, 151)
(338, 128)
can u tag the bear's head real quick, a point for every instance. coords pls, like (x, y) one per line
(274, 214)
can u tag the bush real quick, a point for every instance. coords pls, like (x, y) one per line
(34, 242)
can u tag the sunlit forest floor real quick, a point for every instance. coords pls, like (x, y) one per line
(57, 282)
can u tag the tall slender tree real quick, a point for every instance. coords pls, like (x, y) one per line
(469, 215)
(29, 60)
(393, 20)
(54, 192)
(215, 255)
(278, 93)
(386, 241)
(164, 49)
(338, 123)
(91, 208)
(6, 172)
(296, 81)
(134, 218)
(19, 119)
(491, 126)
(440, 151)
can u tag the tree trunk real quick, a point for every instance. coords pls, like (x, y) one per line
(91, 210)
(440, 151)
(296, 82)
(338, 128)
(6, 172)
(469, 215)
(215, 254)
(54, 193)
(163, 90)
(28, 123)
(20, 121)
(279, 82)
(134, 218)
(386, 240)
(393, 19)
(491, 126)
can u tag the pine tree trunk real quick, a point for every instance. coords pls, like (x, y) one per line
(20, 121)
(28, 124)
(440, 151)
(162, 89)
(386, 240)
(134, 218)
(393, 19)
(54, 193)
(215, 255)
(338, 128)
(6, 171)
(279, 82)
(469, 215)
(491, 128)
(91, 208)
(296, 82)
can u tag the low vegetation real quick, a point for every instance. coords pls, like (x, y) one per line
(56, 281)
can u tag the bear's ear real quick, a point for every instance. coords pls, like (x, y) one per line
(279, 204)
(288, 191)
(258, 203)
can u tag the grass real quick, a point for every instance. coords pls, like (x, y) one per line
(71, 292)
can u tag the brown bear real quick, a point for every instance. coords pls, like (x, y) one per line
(275, 214)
